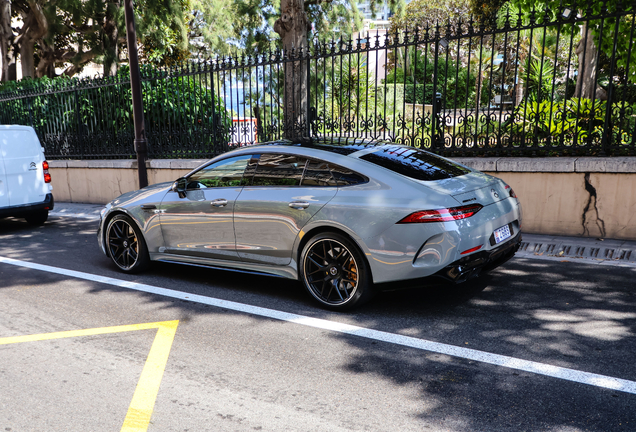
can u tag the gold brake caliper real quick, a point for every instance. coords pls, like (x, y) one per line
(353, 271)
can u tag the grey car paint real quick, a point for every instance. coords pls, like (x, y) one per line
(268, 223)
(367, 212)
(200, 224)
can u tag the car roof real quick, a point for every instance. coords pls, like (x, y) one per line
(412, 162)
(340, 145)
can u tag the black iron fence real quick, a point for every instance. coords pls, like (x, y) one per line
(543, 83)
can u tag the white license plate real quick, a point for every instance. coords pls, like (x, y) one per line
(502, 234)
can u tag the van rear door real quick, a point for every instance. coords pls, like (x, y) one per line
(22, 155)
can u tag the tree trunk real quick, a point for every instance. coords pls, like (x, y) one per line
(518, 94)
(34, 28)
(292, 26)
(79, 60)
(6, 36)
(111, 36)
(46, 65)
(27, 60)
(588, 55)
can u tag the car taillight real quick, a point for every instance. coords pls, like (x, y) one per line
(47, 176)
(511, 192)
(442, 215)
(476, 248)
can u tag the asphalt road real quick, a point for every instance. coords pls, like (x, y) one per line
(262, 363)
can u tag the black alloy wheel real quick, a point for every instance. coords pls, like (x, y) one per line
(334, 272)
(126, 246)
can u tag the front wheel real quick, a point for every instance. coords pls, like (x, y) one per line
(126, 245)
(334, 272)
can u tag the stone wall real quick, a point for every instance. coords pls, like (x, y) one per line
(589, 197)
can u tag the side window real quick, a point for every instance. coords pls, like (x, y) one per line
(252, 163)
(317, 173)
(346, 177)
(278, 170)
(224, 173)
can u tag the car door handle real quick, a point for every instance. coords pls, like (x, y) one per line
(299, 205)
(221, 202)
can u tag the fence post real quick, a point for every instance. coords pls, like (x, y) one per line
(79, 124)
(30, 111)
(607, 127)
(439, 131)
(308, 117)
(215, 139)
(437, 136)
(606, 140)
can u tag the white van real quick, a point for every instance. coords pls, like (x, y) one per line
(25, 182)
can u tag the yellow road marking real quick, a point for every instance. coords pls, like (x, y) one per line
(143, 401)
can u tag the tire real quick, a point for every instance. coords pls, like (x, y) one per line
(334, 272)
(126, 245)
(38, 218)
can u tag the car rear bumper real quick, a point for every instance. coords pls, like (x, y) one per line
(472, 265)
(463, 269)
(27, 209)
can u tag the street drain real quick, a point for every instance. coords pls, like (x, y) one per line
(614, 251)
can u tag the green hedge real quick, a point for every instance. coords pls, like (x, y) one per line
(79, 118)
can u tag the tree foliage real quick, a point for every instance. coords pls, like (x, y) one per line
(603, 33)
(427, 14)
(71, 33)
(247, 26)
(68, 106)
(210, 26)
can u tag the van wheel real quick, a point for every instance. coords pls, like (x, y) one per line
(38, 218)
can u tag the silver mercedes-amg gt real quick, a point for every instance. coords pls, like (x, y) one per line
(347, 218)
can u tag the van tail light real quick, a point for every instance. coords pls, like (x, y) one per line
(47, 176)
(511, 192)
(442, 215)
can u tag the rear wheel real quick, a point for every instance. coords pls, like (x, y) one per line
(126, 245)
(334, 272)
(37, 218)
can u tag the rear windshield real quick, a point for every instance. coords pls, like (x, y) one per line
(415, 163)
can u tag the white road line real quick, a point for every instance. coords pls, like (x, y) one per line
(451, 350)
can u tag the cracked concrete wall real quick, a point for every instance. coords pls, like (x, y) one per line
(599, 205)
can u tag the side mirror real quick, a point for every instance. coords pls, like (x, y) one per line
(179, 186)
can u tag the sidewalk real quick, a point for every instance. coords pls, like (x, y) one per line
(561, 248)
(75, 210)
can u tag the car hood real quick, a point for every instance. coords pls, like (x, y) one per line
(143, 194)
